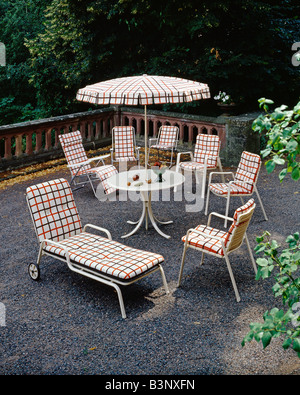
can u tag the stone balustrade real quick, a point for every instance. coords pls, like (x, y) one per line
(37, 141)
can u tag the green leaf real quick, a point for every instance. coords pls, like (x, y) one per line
(270, 166)
(296, 173)
(296, 345)
(266, 339)
(287, 343)
(282, 174)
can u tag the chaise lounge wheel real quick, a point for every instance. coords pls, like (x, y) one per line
(34, 271)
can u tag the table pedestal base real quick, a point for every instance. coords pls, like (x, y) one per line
(146, 215)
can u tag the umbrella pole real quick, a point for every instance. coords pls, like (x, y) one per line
(146, 138)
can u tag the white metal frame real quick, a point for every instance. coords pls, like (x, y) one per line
(225, 250)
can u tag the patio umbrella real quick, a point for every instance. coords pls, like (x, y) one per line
(144, 90)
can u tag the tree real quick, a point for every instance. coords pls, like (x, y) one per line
(19, 20)
(92, 40)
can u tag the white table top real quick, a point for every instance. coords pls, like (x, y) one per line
(121, 180)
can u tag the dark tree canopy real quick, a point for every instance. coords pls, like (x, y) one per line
(243, 48)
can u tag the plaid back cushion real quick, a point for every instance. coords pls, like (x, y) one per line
(53, 210)
(124, 141)
(238, 227)
(73, 149)
(248, 169)
(168, 136)
(207, 145)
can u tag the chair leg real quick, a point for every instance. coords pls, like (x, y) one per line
(260, 202)
(207, 199)
(232, 277)
(250, 253)
(182, 264)
(164, 279)
(202, 258)
(227, 208)
(203, 183)
(120, 297)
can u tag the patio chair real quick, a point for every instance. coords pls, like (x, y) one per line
(205, 157)
(124, 148)
(218, 243)
(80, 166)
(243, 184)
(166, 140)
(60, 235)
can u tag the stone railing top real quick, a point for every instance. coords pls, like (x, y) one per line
(53, 120)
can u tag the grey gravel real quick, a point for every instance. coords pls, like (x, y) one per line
(66, 324)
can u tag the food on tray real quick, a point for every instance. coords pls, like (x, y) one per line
(136, 177)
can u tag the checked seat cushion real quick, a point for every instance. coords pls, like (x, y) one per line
(205, 241)
(244, 179)
(167, 138)
(207, 146)
(124, 143)
(107, 256)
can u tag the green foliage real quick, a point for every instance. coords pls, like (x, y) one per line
(282, 127)
(282, 130)
(92, 40)
(287, 286)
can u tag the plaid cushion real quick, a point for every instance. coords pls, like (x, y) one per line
(241, 210)
(196, 165)
(248, 169)
(124, 143)
(53, 210)
(221, 189)
(167, 138)
(75, 154)
(74, 151)
(205, 241)
(207, 145)
(107, 256)
(244, 179)
(209, 244)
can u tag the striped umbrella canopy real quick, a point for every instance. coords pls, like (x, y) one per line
(144, 90)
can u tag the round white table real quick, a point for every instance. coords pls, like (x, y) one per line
(124, 181)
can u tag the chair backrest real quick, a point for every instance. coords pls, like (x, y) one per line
(53, 210)
(74, 150)
(123, 140)
(237, 230)
(168, 136)
(248, 170)
(207, 145)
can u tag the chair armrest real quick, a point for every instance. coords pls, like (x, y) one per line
(218, 215)
(150, 140)
(98, 228)
(98, 158)
(222, 173)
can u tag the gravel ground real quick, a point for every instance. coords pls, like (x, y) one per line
(66, 324)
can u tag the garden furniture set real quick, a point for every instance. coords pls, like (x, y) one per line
(62, 236)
